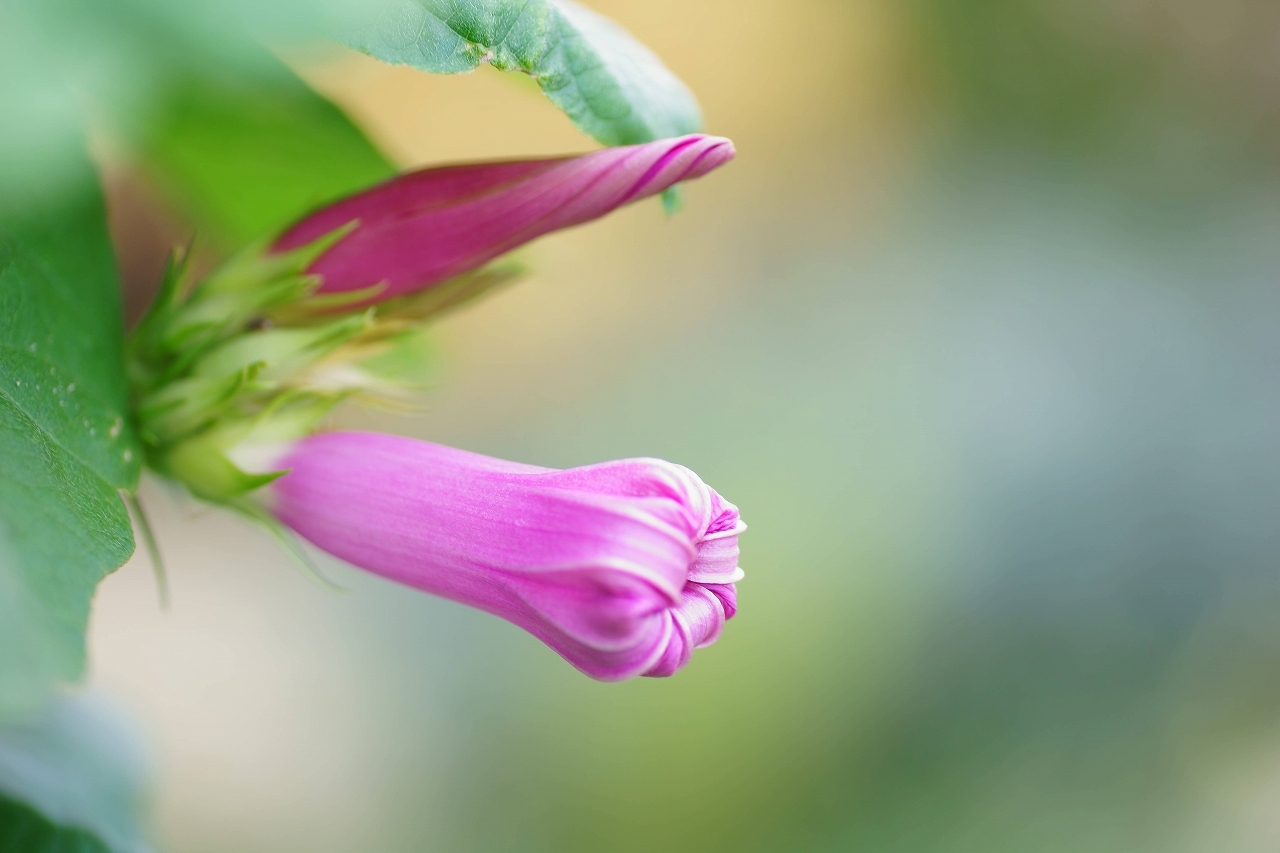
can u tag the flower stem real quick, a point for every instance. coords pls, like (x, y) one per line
(153, 549)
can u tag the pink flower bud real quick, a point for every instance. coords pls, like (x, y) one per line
(423, 227)
(623, 568)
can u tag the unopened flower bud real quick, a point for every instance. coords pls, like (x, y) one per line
(623, 568)
(424, 227)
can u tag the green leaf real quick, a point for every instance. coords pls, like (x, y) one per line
(610, 85)
(244, 152)
(66, 442)
(115, 59)
(25, 830)
(71, 779)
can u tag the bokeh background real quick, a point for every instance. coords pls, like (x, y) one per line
(981, 331)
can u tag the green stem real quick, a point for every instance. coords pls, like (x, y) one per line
(153, 549)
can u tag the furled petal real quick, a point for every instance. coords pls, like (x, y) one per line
(423, 227)
(599, 562)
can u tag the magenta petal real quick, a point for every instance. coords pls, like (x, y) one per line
(423, 227)
(696, 622)
(599, 562)
(728, 595)
(608, 609)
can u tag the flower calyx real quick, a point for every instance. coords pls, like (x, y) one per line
(252, 354)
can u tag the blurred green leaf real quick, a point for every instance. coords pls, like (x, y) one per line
(72, 780)
(610, 85)
(244, 152)
(25, 830)
(66, 444)
(238, 142)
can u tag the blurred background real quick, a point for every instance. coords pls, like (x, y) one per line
(980, 331)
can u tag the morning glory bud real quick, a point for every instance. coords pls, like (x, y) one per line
(424, 227)
(623, 568)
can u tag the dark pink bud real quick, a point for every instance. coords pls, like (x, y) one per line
(423, 227)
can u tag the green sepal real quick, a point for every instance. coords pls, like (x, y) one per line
(143, 346)
(398, 361)
(291, 415)
(286, 538)
(318, 307)
(434, 301)
(187, 405)
(204, 462)
(282, 352)
(673, 200)
(211, 318)
(184, 322)
(248, 268)
(202, 465)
